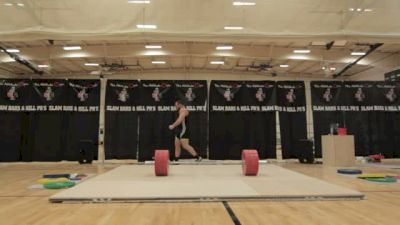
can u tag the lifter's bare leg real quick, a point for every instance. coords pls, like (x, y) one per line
(189, 148)
(177, 148)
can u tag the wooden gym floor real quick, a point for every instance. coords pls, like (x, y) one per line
(20, 205)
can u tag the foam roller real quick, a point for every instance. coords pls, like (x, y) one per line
(161, 162)
(250, 162)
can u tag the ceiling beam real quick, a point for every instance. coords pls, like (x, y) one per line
(372, 48)
(22, 61)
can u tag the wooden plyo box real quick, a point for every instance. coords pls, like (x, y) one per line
(338, 150)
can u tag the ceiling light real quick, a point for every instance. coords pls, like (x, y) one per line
(43, 66)
(71, 48)
(217, 62)
(153, 52)
(358, 53)
(302, 51)
(73, 54)
(233, 28)
(139, 1)
(324, 68)
(153, 46)
(224, 47)
(244, 3)
(284, 66)
(20, 4)
(12, 50)
(332, 69)
(299, 57)
(8, 4)
(146, 26)
(91, 64)
(360, 10)
(158, 62)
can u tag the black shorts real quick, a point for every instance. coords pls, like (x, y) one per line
(182, 133)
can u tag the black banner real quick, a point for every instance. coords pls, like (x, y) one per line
(261, 96)
(47, 135)
(384, 129)
(48, 95)
(84, 95)
(326, 96)
(387, 96)
(122, 95)
(157, 112)
(226, 96)
(327, 101)
(84, 100)
(292, 117)
(260, 122)
(157, 96)
(121, 119)
(241, 117)
(368, 109)
(47, 117)
(226, 125)
(194, 94)
(358, 95)
(48, 122)
(14, 94)
(291, 96)
(359, 100)
(10, 136)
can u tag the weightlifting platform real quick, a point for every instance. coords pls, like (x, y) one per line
(196, 183)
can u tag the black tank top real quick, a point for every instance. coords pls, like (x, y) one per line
(184, 123)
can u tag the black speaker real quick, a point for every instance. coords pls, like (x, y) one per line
(86, 151)
(305, 152)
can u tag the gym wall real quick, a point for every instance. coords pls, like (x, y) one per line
(227, 76)
(208, 76)
(50, 116)
(138, 115)
(121, 122)
(370, 110)
(182, 76)
(291, 101)
(242, 116)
